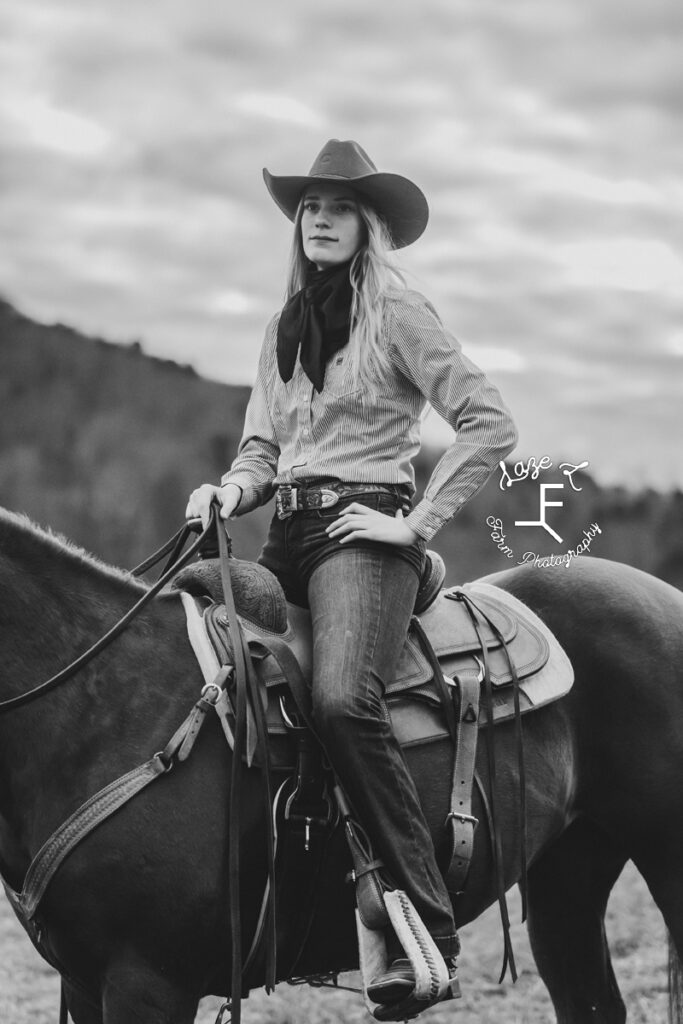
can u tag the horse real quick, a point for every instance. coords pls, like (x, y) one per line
(137, 917)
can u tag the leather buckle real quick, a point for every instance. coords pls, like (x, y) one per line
(464, 819)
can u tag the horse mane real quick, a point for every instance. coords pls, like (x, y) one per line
(16, 527)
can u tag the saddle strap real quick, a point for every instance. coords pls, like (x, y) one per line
(460, 817)
(290, 669)
(496, 845)
(80, 824)
(96, 810)
(523, 883)
(308, 805)
(439, 678)
(463, 729)
(246, 691)
(370, 886)
(303, 845)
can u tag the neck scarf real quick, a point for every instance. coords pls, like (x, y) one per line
(315, 322)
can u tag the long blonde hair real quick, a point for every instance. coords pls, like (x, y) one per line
(374, 277)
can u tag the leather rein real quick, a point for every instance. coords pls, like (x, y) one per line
(176, 562)
(106, 801)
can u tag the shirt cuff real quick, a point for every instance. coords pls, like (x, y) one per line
(251, 496)
(425, 520)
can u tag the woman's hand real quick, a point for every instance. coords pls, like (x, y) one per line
(199, 504)
(358, 522)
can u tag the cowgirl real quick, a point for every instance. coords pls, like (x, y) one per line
(332, 427)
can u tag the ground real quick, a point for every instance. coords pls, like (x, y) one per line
(29, 989)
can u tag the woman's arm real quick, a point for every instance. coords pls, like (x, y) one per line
(432, 359)
(249, 481)
(255, 466)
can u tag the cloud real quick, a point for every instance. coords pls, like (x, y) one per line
(632, 264)
(229, 301)
(496, 359)
(40, 124)
(277, 107)
(547, 138)
(674, 343)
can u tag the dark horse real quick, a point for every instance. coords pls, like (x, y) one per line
(137, 916)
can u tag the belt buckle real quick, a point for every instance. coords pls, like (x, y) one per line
(328, 497)
(285, 501)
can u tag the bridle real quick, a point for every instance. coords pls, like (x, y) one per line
(177, 560)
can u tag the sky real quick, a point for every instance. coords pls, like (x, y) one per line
(546, 134)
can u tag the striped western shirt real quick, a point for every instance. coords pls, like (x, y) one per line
(293, 434)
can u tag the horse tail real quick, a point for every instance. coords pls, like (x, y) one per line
(675, 986)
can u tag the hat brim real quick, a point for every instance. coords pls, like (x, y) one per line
(400, 203)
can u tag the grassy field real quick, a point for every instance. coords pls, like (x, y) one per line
(29, 989)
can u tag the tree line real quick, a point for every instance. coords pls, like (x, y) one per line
(104, 443)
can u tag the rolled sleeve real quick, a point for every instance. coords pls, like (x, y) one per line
(432, 359)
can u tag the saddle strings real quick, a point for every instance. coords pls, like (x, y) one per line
(519, 737)
(246, 693)
(471, 607)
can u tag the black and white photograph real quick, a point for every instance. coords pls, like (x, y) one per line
(341, 512)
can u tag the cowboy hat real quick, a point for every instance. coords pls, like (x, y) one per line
(396, 199)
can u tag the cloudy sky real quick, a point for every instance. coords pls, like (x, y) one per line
(547, 135)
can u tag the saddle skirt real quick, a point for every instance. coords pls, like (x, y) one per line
(543, 669)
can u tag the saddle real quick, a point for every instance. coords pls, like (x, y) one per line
(510, 631)
(469, 636)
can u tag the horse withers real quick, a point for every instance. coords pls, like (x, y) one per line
(137, 917)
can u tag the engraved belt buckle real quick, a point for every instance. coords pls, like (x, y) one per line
(285, 501)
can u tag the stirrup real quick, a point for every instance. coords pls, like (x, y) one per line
(433, 980)
(409, 1008)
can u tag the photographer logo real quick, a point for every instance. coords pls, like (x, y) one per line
(531, 470)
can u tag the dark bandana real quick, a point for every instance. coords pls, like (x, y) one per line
(315, 322)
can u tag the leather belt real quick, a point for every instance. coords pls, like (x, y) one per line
(290, 499)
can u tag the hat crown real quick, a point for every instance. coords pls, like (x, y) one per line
(342, 159)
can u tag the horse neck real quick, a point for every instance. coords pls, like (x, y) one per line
(55, 601)
(55, 751)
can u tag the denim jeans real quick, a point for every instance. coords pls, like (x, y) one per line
(361, 597)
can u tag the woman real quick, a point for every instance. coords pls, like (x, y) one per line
(332, 427)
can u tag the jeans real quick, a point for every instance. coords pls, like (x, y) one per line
(361, 597)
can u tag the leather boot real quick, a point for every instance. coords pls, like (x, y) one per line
(395, 984)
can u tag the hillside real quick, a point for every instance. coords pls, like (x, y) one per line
(104, 443)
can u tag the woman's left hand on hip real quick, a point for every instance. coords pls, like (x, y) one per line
(358, 522)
